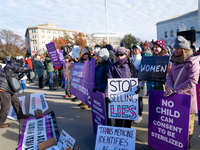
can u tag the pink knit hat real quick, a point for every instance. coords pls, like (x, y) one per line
(160, 43)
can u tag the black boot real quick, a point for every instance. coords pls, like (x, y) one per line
(52, 89)
(190, 136)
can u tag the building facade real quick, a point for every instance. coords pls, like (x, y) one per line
(100, 38)
(167, 29)
(38, 36)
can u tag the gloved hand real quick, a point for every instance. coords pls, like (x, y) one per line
(168, 92)
(94, 89)
(138, 90)
(107, 100)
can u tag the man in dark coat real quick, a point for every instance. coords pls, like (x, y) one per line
(7, 96)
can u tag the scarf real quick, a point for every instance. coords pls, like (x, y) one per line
(121, 61)
(179, 59)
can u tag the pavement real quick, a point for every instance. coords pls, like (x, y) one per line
(77, 122)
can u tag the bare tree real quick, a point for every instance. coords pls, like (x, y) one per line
(11, 44)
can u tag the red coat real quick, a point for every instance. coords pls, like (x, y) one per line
(29, 62)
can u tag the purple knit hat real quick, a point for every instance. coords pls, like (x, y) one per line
(160, 43)
(121, 50)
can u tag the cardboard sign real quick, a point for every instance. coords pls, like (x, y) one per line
(38, 130)
(82, 80)
(124, 101)
(65, 141)
(198, 100)
(154, 68)
(168, 121)
(37, 101)
(76, 52)
(12, 114)
(115, 138)
(53, 54)
(98, 109)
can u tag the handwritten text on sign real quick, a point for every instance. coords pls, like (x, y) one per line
(115, 138)
(75, 52)
(124, 101)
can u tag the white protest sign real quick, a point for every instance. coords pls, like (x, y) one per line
(35, 133)
(12, 114)
(75, 52)
(115, 138)
(65, 141)
(124, 101)
(37, 101)
(53, 148)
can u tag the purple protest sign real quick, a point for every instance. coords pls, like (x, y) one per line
(82, 80)
(38, 130)
(98, 109)
(53, 54)
(168, 121)
(198, 100)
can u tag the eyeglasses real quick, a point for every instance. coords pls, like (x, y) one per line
(117, 55)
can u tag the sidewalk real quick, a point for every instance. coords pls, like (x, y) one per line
(77, 122)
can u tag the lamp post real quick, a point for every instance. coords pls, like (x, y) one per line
(106, 21)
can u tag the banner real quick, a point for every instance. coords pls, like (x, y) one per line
(198, 100)
(98, 109)
(12, 114)
(154, 68)
(38, 130)
(168, 121)
(53, 54)
(37, 101)
(115, 138)
(124, 101)
(83, 80)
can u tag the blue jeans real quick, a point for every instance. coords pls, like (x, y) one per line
(50, 78)
(23, 85)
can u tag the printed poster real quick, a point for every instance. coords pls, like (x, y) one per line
(37, 101)
(198, 100)
(115, 138)
(98, 110)
(36, 131)
(12, 114)
(168, 121)
(53, 54)
(124, 101)
(83, 80)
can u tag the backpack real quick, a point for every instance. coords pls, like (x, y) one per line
(13, 82)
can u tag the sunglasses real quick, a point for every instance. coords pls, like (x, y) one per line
(117, 55)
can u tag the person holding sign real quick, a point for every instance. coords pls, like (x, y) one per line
(122, 68)
(159, 50)
(136, 60)
(183, 76)
(101, 71)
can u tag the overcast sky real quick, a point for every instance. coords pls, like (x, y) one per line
(138, 17)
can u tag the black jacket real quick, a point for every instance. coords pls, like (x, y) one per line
(16, 69)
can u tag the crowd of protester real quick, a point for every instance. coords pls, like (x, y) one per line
(120, 63)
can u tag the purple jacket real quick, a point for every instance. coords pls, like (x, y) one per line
(120, 71)
(188, 78)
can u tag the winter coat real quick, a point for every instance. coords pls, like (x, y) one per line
(16, 69)
(188, 79)
(49, 65)
(101, 71)
(29, 62)
(120, 71)
(136, 60)
(111, 56)
(39, 68)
